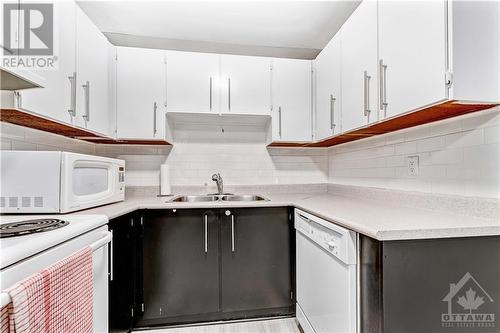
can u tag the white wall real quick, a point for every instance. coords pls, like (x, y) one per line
(457, 156)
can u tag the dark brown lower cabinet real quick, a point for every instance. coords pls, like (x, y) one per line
(448, 285)
(125, 280)
(217, 264)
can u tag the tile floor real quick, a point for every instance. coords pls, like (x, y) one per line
(285, 325)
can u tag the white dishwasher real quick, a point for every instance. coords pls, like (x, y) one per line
(326, 275)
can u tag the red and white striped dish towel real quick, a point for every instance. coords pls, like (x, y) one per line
(57, 299)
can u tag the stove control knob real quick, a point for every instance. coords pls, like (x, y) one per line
(331, 245)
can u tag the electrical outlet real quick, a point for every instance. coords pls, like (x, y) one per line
(413, 166)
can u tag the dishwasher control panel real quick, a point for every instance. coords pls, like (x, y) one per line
(338, 241)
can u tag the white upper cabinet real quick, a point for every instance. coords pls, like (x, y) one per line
(141, 93)
(291, 100)
(475, 50)
(359, 67)
(92, 81)
(192, 82)
(412, 55)
(55, 100)
(245, 84)
(327, 72)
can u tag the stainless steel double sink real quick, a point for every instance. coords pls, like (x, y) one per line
(218, 197)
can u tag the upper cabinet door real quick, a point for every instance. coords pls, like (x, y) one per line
(359, 67)
(92, 83)
(412, 51)
(192, 81)
(245, 85)
(327, 70)
(140, 93)
(291, 95)
(55, 100)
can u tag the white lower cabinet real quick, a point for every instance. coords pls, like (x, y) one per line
(192, 82)
(359, 67)
(328, 93)
(412, 55)
(291, 100)
(54, 100)
(92, 81)
(141, 93)
(245, 85)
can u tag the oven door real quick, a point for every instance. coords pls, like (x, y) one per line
(88, 181)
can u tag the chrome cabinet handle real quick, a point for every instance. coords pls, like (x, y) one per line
(229, 93)
(72, 107)
(111, 259)
(86, 87)
(228, 212)
(206, 233)
(366, 93)
(155, 107)
(279, 121)
(18, 99)
(383, 86)
(232, 233)
(332, 112)
(210, 94)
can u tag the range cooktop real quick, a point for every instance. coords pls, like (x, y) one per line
(28, 227)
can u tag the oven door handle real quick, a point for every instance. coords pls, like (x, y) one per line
(108, 237)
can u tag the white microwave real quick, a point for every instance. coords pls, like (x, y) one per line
(58, 182)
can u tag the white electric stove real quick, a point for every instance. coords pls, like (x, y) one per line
(30, 243)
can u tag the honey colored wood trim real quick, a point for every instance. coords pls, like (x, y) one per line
(288, 144)
(448, 109)
(21, 118)
(127, 141)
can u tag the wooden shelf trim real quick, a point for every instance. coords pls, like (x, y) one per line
(422, 116)
(21, 118)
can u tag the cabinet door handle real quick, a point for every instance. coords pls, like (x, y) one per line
(366, 95)
(206, 233)
(86, 88)
(112, 256)
(279, 121)
(332, 112)
(229, 93)
(72, 107)
(155, 106)
(383, 86)
(232, 234)
(210, 94)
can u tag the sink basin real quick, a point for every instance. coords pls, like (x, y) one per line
(245, 197)
(211, 198)
(195, 198)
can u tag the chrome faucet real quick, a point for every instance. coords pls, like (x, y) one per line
(220, 184)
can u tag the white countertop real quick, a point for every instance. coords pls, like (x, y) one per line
(371, 218)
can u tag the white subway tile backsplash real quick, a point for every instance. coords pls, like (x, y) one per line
(456, 156)
(492, 134)
(5, 144)
(464, 139)
(22, 145)
(430, 144)
(405, 148)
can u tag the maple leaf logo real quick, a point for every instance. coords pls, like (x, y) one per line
(470, 301)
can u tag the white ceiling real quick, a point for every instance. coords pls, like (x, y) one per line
(297, 29)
